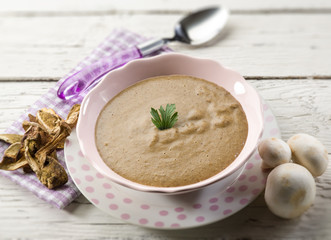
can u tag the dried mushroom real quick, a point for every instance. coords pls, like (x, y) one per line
(32, 118)
(12, 158)
(52, 174)
(27, 169)
(36, 149)
(49, 121)
(61, 133)
(11, 138)
(13, 151)
(72, 117)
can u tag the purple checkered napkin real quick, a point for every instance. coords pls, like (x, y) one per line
(118, 40)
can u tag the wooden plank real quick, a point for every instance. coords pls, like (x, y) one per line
(276, 45)
(299, 105)
(97, 7)
(80, 220)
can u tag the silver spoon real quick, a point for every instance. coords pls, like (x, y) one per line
(196, 28)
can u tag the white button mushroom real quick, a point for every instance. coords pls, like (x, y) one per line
(274, 152)
(290, 190)
(309, 152)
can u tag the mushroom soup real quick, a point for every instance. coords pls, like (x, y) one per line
(210, 132)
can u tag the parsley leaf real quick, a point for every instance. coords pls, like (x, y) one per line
(167, 119)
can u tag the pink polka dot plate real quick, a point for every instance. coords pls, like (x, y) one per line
(160, 211)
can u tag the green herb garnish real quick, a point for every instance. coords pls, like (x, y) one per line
(167, 119)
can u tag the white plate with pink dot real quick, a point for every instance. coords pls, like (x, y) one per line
(152, 210)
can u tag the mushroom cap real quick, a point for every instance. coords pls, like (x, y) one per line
(274, 152)
(290, 190)
(309, 152)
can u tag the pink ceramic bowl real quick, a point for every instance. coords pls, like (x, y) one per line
(168, 64)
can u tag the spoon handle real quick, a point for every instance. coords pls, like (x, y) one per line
(81, 80)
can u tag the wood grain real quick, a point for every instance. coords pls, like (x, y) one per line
(299, 105)
(81, 220)
(48, 47)
(97, 7)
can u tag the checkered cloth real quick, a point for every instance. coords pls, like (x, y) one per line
(118, 40)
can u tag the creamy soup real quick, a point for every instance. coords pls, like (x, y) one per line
(210, 132)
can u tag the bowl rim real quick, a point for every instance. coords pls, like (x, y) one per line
(146, 188)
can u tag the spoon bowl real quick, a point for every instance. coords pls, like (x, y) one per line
(202, 26)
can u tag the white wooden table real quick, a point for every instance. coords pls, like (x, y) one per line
(283, 48)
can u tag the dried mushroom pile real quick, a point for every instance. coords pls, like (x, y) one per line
(36, 149)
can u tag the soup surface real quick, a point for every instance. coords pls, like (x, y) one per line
(210, 132)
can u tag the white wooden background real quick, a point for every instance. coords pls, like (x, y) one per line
(282, 47)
